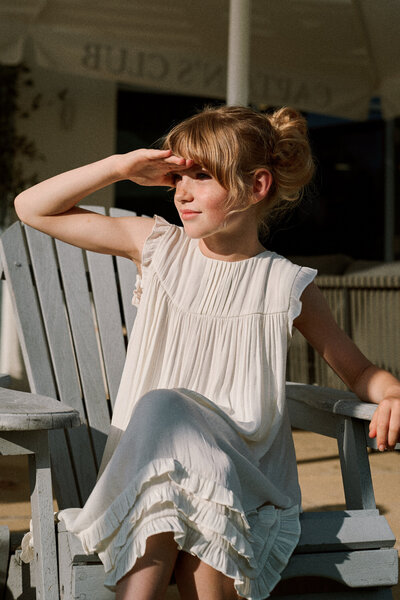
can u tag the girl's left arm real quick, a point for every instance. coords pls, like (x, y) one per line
(369, 382)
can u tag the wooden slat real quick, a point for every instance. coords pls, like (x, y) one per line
(22, 411)
(45, 556)
(88, 582)
(344, 530)
(331, 400)
(356, 473)
(106, 302)
(83, 328)
(16, 265)
(59, 340)
(362, 594)
(105, 296)
(4, 552)
(308, 418)
(127, 272)
(364, 568)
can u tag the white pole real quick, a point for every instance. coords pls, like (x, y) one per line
(238, 53)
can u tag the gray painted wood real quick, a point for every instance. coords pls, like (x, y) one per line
(108, 314)
(84, 334)
(355, 469)
(127, 272)
(306, 417)
(5, 380)
(20, 580)
(46, 572)
(340, 530)
(22, 411)
(59, 339)
(365, 568)
(16, 267)
(364, 594)
(88, 583)
(330, 400)
(4, 554)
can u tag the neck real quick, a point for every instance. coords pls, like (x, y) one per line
(232, 244)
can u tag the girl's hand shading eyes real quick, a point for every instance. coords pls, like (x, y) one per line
(152, 167)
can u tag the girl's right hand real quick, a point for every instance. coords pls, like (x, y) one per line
(50, 206)
(151, 167)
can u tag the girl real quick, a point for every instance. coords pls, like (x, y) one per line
(199, 472)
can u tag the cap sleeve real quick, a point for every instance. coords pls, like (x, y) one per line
(304, 277)
(160, 229)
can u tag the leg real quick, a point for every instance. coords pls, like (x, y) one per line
(198, 581)
(151, 574)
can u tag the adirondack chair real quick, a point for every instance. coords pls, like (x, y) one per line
(74, 314)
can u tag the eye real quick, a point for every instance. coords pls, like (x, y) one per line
(202, 175)
(175, 178)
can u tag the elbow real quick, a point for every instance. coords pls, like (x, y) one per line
(21, 208)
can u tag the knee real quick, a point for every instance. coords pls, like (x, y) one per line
(160, 402)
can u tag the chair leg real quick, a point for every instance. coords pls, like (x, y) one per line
(43, 527)
(355, 467)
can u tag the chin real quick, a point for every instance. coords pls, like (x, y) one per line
(192, 233)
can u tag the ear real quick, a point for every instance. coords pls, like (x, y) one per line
(262, 182)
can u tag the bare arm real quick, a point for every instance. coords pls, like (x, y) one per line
(370, 383)
(50, 206)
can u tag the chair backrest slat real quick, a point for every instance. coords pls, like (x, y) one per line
(108, 313)
(55, 320)
(105, 297)
(127, 272)
(17, 270)
(86, 343)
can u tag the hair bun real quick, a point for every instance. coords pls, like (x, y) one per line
(292, 162)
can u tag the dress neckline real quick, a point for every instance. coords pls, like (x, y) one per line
(232, 262)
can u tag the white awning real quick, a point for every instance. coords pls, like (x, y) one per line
(324, 56)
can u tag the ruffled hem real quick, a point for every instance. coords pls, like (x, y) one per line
(304, 277)
(207, 521)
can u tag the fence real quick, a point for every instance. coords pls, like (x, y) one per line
(367, 307)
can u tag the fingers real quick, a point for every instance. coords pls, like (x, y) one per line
(385, 424)
(168, 157)
(178, 161)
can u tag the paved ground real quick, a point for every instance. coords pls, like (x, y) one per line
(319, 477)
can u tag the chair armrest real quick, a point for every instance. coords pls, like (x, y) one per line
(23, 411)
(308, 403)
(330, 400)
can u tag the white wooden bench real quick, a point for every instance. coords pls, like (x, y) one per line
(74, 314)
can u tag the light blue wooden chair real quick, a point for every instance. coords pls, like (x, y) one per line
(74, 314)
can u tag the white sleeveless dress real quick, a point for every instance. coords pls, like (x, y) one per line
(200, 442)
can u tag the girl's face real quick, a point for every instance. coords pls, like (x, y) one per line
(201, 202)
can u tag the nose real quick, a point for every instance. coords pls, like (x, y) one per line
(183, 191)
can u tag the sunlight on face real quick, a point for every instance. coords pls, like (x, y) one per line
(201, 202)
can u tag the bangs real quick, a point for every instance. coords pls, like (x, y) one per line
(203, 141)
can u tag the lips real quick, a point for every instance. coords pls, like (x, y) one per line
(189, 214)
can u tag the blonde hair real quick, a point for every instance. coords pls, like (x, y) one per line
(233, 142)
